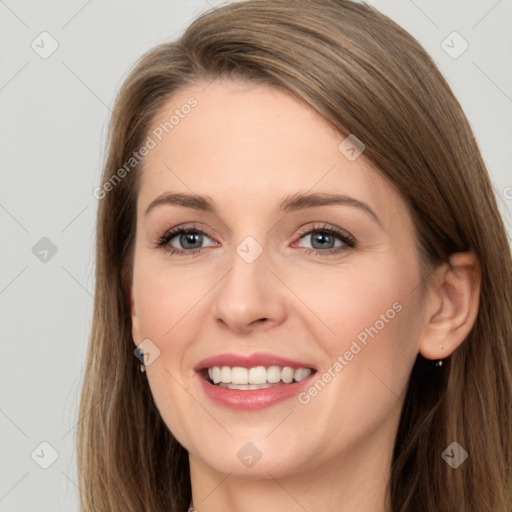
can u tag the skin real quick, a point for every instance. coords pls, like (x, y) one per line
(247, 147)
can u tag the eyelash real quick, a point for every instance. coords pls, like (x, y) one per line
(348, 240)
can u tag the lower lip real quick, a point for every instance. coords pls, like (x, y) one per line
(252, 399)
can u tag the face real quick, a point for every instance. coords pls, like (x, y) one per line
(268, 286)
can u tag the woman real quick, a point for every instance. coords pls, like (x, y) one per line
(298, 236)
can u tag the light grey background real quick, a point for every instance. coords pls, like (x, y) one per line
(54, 114)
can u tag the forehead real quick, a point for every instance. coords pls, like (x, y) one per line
(247, 142)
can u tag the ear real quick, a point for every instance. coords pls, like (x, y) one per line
(135, 321)
(451, 305)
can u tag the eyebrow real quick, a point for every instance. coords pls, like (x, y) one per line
(295, 202)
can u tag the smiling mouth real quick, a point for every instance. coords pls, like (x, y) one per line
(257, 377)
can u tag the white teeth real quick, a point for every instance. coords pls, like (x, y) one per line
(257, 377)
(215, 374)
(247, 386)
(225, 374)
(273, 374)
(287, 374)
(239, 375)
(301, 373)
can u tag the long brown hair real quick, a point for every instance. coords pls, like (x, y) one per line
(368, 77)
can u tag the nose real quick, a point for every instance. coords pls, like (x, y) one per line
(249, 297)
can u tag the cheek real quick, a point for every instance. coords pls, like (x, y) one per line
(170, 311)
(165, 299)
(350, 304)
(368, 361)
(367, 324)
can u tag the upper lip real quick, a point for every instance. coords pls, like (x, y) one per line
(249, 361)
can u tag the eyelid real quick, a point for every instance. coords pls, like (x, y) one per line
(339, 232)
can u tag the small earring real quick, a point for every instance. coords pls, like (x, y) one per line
(139, 354)
(439, 363)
